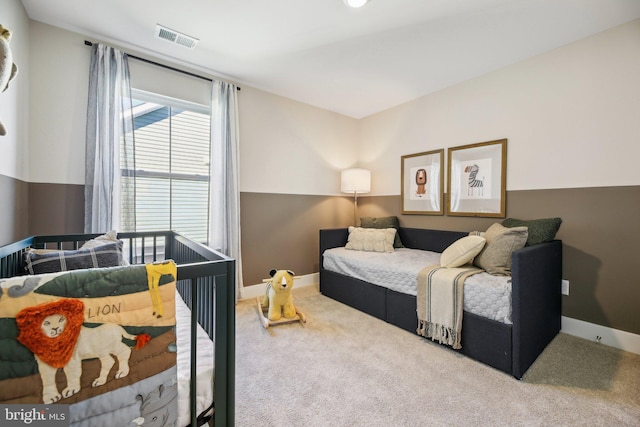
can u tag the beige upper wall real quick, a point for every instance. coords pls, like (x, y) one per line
(58, 105)
(154, 79)
(286, 146)
(14, 102)
(291, 148)
(570, 115)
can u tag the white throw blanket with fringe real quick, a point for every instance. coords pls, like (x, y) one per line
(440, 303)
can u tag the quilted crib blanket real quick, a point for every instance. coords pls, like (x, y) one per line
(100, 340)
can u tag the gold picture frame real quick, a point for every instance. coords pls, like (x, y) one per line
(477, 179)
(422, 183)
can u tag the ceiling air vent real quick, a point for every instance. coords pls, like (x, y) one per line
(175, 37)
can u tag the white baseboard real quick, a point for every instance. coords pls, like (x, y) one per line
(253, 291)
(612, 337)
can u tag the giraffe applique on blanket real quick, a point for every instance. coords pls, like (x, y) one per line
(154, 272)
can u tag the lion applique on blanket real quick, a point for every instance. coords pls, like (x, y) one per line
(54, 332)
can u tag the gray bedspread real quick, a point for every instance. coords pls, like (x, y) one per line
(484, 294)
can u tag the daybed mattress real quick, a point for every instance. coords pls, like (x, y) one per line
(485, 295)
(205, 364)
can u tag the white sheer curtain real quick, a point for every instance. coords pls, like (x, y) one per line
(109, 124)
(224, 200)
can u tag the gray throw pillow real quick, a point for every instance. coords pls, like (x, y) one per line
(52, 262)
(540, 230)
(495, 257)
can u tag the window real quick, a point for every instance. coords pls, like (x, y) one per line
(165, 170)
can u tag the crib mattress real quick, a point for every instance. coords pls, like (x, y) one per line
(485, 295)
(205, 364)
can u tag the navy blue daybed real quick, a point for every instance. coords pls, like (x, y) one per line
(511, 348)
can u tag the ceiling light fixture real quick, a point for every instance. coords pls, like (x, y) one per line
(355, 3)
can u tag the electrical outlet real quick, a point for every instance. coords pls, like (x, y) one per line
(565, 287)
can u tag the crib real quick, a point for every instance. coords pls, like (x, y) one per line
(205, 281)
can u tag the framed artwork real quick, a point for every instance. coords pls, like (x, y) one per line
(422, 183)
(477, 181)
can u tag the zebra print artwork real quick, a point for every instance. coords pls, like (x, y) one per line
(474, 182)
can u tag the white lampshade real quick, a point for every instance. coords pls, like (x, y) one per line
(356, 180)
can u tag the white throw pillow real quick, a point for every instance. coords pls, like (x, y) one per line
(107, 238)
(371, 239)
(462, 251)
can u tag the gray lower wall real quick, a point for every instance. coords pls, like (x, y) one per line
(599, 232)
(36, 208)
(14, 215)
(281, 231)
(56, 208)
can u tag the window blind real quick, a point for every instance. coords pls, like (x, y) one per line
(165, 174)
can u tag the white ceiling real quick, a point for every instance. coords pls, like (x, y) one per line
(352, 61)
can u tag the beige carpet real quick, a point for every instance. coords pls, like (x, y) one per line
(345, 368)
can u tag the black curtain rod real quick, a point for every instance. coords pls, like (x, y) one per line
(88, 43)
